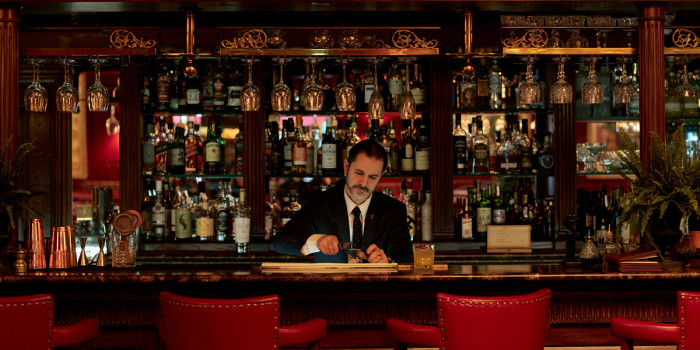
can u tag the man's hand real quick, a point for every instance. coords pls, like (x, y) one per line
(374, 255)
(328, 244)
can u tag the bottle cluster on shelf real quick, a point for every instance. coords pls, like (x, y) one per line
(170, 213)
(177, 149)
(301, 150)
(493, 205)
(512, 151)
(199, 85)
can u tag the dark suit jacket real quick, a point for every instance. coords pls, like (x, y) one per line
(385, 226)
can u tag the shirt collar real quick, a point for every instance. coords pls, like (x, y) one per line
(350, 205)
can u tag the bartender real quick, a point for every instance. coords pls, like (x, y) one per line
(351, 215)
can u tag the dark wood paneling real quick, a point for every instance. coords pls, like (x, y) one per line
(61, 169)
(651, 74)
(130, 181)
(253, 156)
(9, 73)
(565, 166)
(441, 145)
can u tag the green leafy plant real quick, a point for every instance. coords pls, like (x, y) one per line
(16, 188)
(666, 181)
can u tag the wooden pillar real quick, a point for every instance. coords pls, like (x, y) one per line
(565, 167)
(253, 155)
(441, 146)
(130, 179)
(61, 169)
(9, 74)
(651, 74)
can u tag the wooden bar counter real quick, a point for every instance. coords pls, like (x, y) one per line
(355, 304)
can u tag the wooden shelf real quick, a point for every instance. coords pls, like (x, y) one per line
(682, 51)
(588, 51)
(329, 52)
(73, 52)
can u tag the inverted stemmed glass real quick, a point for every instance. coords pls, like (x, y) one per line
(313, 95)
(36, 97)
(281, 93)
(250, 95)
(67, 95)
(624, 91)
(407, 106)
(561, 91)
(685, 89)
(529, 91)
(98, 95)
(375, 107)
(593, 91)
(345, 98)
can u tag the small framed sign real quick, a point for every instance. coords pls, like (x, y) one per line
(508, 239)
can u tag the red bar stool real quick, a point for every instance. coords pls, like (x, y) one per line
(250, 323)
(684, 333)
(26, 322)
(480, 323)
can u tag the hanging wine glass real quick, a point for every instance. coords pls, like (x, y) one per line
(313, 95)
(345, 97)
(98, 95)
(685, 89)
(250, 95)
(281, 94)
(36, 97)
(67, 95)
(407, 106)
(624, 91)
(529, 91)
(593, 91)
(375, 107)
(561, 91)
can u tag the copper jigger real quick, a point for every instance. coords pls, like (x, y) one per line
(36, 249)
(62, 254)
(101, 255)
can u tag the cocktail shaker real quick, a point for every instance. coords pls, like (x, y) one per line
(62, 255)
(36, 249)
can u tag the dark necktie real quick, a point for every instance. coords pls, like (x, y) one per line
(356, 228)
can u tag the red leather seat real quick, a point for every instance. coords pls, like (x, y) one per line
(685, 333)
(480, 323)
(250, 323)
(26, 323)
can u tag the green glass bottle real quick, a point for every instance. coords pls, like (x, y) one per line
(177, 153)
(214, 147)
(483, 216)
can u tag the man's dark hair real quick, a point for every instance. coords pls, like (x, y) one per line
(371, 149)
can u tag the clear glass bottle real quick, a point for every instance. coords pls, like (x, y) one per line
(220, 90)
(158, 213)
(351, 139)
(459, 145)
(422, 162)
(329, 153)
(310, 151)
(242, 224)
(222, 212)
(272, 211)
(394, 149)
(163, 87)
(395, 82)
(408, 158)
(235, 85)
(480, 149)
(162, 145)
(418, 88)
(148, 165)
(498, 214)
(299, 150)
(525, 148)
(183, 216)
(483, 216)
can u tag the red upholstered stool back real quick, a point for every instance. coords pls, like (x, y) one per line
(689, 319)
(199, 323)
(494, 323)
(26, 322)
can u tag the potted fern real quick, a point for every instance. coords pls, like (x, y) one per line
(662, 192)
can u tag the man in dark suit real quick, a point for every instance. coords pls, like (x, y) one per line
(351, 212)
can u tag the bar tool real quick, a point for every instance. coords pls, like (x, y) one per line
(82, 261)
(62, 254)
(101, 254)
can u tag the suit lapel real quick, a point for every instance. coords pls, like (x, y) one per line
(341, 213)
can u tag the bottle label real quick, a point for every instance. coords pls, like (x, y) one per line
(161, 150)
(547, 161)
(191, 157)
(329, 153)
(499, 216)
(422, 161)
(194, 96)
(482, 87)
(288, 155)
(369, 89)
(177, 156)
(299, 156)
(494, 84)
(268, 223)
(508, 165)
(234, 96)
(481, 155)
(158, 214)
(407, 164)
(483, 219)
(212, 152)
(467, 228)
(208, 90)
(205, 227)
(222, 217)
(163, 87)
(242, 226)
(418, 96)
(183, 223)
(149, 155)
(460, 144)
(395, 86)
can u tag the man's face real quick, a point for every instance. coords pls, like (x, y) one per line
(362, 177)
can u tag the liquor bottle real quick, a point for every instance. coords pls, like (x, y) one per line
(407, 154)
(222, 213)
(238, 156)
(146, 95)
(394, 149)
(214, 149)
(525, 148)
(499, 208)
(299, 150)
(375, 131)
(482, 84)
(367, 83)
(395, 82)
(426, 216)
(167, 204)
(158, 214)
(177, 153)
(147, 209)
(305, 84)
(183, 216)
(175, 87)
(417, 88)
(351, 139)
(495, 85)
(360, 104)
(609, 245)
(219, 86)
(242, 223)
(161, 148)
(311, 151)
(269, 146)
(386, 144)
(294, 201)
(493, 153)
(508, 156)
(207, 88)
(194, 92)
(545, 157)
(193, 159)
(329, 100)
(339, 126)
(272, 210)
(148, 166)
(422, 162)
(483, 216)
(315, 138)
(329, 154)
(235, 85)
(163, 88)
(459, 142)
(204, 218)
(287, 145)
(480, 149)
(466, 222)
(467, 95)
(411, 211)
(182, 82)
